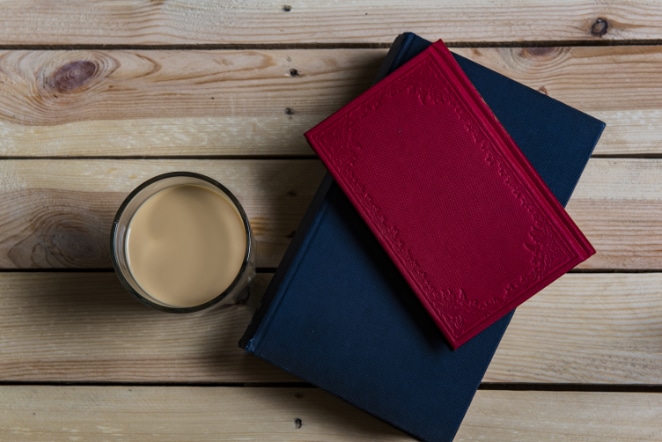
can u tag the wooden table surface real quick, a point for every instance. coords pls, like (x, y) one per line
(96, 97)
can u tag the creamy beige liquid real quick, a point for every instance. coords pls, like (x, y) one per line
(185, 245)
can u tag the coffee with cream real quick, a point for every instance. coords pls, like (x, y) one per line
(185, 245)
(181, 242)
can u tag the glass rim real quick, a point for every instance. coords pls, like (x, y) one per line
(114, 230)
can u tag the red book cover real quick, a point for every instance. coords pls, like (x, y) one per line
(448, 194)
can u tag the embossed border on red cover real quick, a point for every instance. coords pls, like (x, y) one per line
(556, 243)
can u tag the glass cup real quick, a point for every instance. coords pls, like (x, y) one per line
(181, 242)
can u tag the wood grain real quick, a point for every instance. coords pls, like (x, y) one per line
(58, 213)
(75, 413)
(85, 327)
(569, 416)
(182, 413)
(82, 327)
(134, 22)
(586, 328)
(617, 205)
(172, 102)
(260, 102)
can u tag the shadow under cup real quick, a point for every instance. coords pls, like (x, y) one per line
(181, 242)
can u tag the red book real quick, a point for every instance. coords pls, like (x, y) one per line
(456, 205)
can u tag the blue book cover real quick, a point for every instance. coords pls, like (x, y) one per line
(338, 314)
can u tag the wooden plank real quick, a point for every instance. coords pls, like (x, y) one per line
(617, 205)
(569, 416)
(82, 327)
(72, 413)
(586, 328)
(133, 22)
(66, 413)
(85, 327)
(210, 103)
(172, 102)
(58, 213)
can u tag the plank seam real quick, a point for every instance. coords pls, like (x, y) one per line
(320, 45)
(160, 157)
(589, 388)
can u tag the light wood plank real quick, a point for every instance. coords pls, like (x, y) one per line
(569, 416)
(172, 102)
(58, 213)
(617, 204)
(42, 413)
(585, 328)
(72, 413)
(297, 21)
(76, 327)
(201, 103)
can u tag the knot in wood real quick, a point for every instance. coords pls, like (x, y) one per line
(72, 75)
(539, 51)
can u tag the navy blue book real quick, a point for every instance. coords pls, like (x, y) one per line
(339, 315)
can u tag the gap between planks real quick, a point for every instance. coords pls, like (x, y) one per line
(489, 386)
(314, 46)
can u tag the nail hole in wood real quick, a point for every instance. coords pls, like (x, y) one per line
(599, 27)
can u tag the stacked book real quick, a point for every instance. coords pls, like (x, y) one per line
(442, 212)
